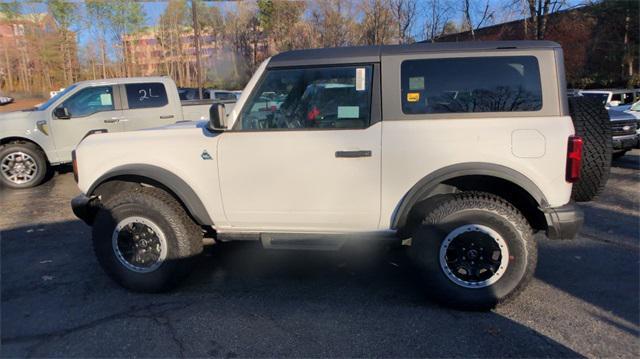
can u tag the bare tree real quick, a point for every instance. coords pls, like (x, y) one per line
(539, 11)
(437, 14)
(377, 23)
(332, 22)
(487, 14)
(405, 15)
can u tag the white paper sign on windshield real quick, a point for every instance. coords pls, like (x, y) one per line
(360, 79)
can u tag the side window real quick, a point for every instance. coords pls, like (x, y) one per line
(327, 97)
(89, 101)
(472, 84)
(146, 95)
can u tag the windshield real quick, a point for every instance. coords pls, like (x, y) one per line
(55, 98)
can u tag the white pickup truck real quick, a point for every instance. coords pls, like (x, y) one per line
(33, 140)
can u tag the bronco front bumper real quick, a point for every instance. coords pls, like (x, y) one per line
(84, 208)
(563, 222)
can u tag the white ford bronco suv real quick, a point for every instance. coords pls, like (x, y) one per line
(466, 149)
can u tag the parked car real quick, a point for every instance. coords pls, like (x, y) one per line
(190, 93)
(404, 142)
(222, 95)
(5, 100)
(613, 98)
(33, 140)
(624, 120)
(624, 128)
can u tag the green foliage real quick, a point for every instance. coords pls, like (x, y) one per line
(210, 18)
(265, 14)
(278, 18)
(10, 9)
(176, 14)
(64, 12)
(117, 16)
(126, 16)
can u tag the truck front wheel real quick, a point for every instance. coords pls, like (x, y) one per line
(22, 165)
(145, 240)
(474, 249)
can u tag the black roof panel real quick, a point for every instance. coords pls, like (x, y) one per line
(360, 54)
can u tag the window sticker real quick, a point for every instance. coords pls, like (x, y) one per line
(360, 79)
(348, 112)
(413, 96)
(416, 83)
(105, 99)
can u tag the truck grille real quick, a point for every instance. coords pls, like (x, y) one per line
(621, 128)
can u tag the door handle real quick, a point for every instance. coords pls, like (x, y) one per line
(113, 120)
(166, 117)
(353, 154)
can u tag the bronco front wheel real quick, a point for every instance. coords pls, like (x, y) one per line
(145, 240)
(474, 249)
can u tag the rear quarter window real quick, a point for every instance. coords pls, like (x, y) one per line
(472, 84)
(146, 95)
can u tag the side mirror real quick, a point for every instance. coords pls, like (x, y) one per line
(217, 117)
(62, 113)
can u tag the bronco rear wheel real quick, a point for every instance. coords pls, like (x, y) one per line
(474, 249)
(145, 240)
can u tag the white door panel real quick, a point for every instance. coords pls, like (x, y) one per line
(92, 110)
(292, 180)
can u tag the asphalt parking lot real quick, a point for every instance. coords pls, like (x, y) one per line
(243, 301)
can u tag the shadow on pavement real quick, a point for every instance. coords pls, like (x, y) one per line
(629, 161)
(604, 275)
(246, 301)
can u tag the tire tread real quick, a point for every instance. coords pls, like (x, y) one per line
(591, 122)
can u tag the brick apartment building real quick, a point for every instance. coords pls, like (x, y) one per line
(149, 57)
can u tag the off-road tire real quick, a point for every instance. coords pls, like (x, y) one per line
(592, 123)
(183, 237)
(479, 208)
(38, 156)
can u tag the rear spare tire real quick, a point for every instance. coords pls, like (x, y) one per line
(591, 122)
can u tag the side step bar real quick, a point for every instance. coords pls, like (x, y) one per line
(313, 242)
(305, 241)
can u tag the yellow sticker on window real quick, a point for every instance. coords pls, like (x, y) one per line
(413, 96)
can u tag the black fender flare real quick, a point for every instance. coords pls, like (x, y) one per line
(428, 184)
(171, 181)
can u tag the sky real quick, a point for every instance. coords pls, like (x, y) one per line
(154, 9)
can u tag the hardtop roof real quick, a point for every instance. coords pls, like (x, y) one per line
(364, 54)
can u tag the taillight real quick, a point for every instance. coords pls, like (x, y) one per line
(574, 159)
(75, 165)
